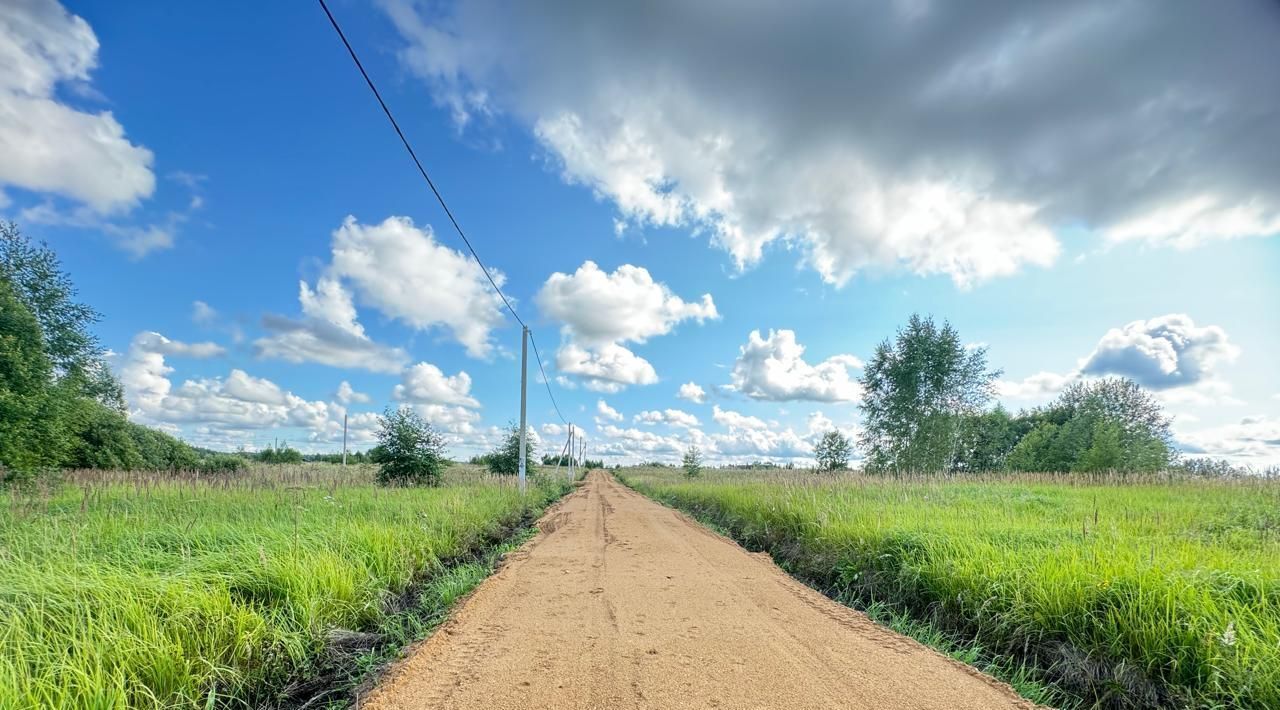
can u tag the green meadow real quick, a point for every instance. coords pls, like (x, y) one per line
(1085, 590)
(241, 590)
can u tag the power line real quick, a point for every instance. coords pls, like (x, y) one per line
(545, 381)
(394, 124)
(439, 198)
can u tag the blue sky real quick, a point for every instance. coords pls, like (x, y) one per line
(230, 155)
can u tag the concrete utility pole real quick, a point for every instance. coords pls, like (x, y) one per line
(344, 439)
(524, 383)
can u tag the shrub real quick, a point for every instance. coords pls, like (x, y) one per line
(505, 460)
(409, 451)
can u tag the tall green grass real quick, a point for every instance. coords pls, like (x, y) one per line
(150, 591)
(1138, 592)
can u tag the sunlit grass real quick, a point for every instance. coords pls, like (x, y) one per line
(1140, 591)
(124, 590)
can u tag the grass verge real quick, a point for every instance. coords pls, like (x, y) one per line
(1100, 592)
(147, 591)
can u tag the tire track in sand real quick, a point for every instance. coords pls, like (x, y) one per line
(622, 603)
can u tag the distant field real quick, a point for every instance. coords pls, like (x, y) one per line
(1139, 592)
(150, 591)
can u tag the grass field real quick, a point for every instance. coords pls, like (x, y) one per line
(1142, 592)
(149, 591)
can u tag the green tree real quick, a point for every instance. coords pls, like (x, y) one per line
(72, 349)
(832, 451)
(409, 451)
(917, 389)
(29, 411)
(1100, 425)
(692, 462)
(986, 439)
(505, 460)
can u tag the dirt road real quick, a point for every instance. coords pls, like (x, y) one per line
(622, 603)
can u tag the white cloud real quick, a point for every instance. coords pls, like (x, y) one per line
(47, 145)
(1169, 354)
(148, 341)
(607, 368)
(949, 140)
(1161, 353)
(217, 410)
(202, 313)
(601, 310)
(673, 417)
(425, 383)
(450, 419)
(627, 305)
(347, 394)
(773, 368)
(606, 413)
(1038, 387)
(328, 333)
(1253, 441)
(400, 270)
(692, 392)
(735, 421)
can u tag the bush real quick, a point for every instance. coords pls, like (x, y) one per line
(832, 452)
(505, 460)
(692, 462)
(409, 451)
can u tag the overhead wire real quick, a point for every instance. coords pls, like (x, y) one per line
(439, 197)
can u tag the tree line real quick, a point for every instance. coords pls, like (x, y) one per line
(60, 404)
(926, 407)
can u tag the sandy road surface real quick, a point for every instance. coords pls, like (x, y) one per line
(622, 603)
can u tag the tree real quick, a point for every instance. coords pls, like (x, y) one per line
(1109, 424)
(505, 460)
(29, 411)
(917, 389)
(692, 462)
(38, 281)
(409, 451)
(986, 440)
(832, 451)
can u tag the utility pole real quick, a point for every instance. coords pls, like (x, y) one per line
(344, 438)
(572, 474)
(524, 383)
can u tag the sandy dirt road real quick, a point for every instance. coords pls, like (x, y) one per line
(622, 603)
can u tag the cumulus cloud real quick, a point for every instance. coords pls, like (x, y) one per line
(1170, 355)
(400, 270)
(347, 394)
(673, 417)
(736, 421)
(329, 333)
(425, 383)
(152, 342)
(941, 138)
(217, 411)
(606, 413)
(627, 305)
(774, 368)
(601, 311)
(692, 392)
(1161, 353)
(607, 368)
(47, 145)
(1252, 441)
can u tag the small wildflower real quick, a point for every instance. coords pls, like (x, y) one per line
(1229, 636)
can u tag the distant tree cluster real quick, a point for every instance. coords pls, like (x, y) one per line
(925, 408)
(60, 404)
(505, 459)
